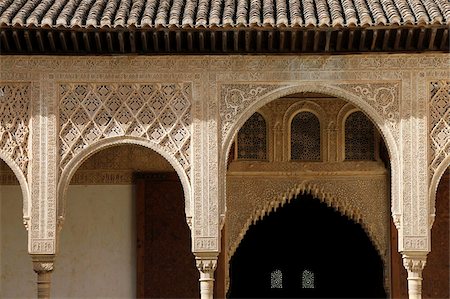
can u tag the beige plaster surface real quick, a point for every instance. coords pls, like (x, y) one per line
(97, 250)
(17, 279)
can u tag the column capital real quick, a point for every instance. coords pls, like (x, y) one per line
(43, 263)
(414, 262)
(206, 262)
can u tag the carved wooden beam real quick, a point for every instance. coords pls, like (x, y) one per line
(40, 41)
(339, 41)
(167, 41)
(351, 36)
(316, 41)
(259, 40)
(51, 41)
(121, 42)
(87, 45)
(178, 40)
(224, 41)
(98, 42)
(247, 40)
(270, 38)
(328, 40)
(74, 38)
(362, 40)
(409, 39)
(282, 40)
(190, 41)
(385, 40)
(155, 41)
(5, 40)
(144, 41)
(213, 41)
(293, 40)
(132, 38)
(109, 42)
(398, 35)
(62, 39)
(374, 40)
(27, 37)
(236, 41)
(201, 41)
(421, 38)
(432, 38)
(444, 40)
(304, 40)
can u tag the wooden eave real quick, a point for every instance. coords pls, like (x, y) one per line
(222, 40)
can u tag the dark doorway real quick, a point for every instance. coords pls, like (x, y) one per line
(306, 250)
(165, 263)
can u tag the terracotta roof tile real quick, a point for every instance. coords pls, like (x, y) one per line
(226, 13)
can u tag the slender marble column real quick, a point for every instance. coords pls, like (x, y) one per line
(206, 266)
(414, 264)
(43, 266)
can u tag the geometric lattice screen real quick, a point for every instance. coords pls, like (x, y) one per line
(157, 112)
(14, 122)
(252, 139)
(305, 137)
(359, 137)
(439, 123)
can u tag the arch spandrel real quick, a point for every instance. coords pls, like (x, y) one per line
(439, 137)
(15, 112)
(379, 101)
(94, 116)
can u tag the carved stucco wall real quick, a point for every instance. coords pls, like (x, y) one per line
(439, 134)
(393, 90)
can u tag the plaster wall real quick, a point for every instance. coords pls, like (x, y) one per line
(97, 250)
(97, 246)
(16, 270)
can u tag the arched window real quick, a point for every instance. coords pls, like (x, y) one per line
(276, 279)
(252, 142)
(308, 280)
(305, 137)
(359, 137)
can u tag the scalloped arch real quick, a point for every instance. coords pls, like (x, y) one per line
(315, 190)
(83, 155)
(332, 90)
(26, 199)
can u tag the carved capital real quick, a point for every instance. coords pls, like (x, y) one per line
(414, 262)
(43, 263)
(206, 264)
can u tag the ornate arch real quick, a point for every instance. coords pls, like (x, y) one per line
(340, 205)
(87, 152)
(23, 186)
(239, 101)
